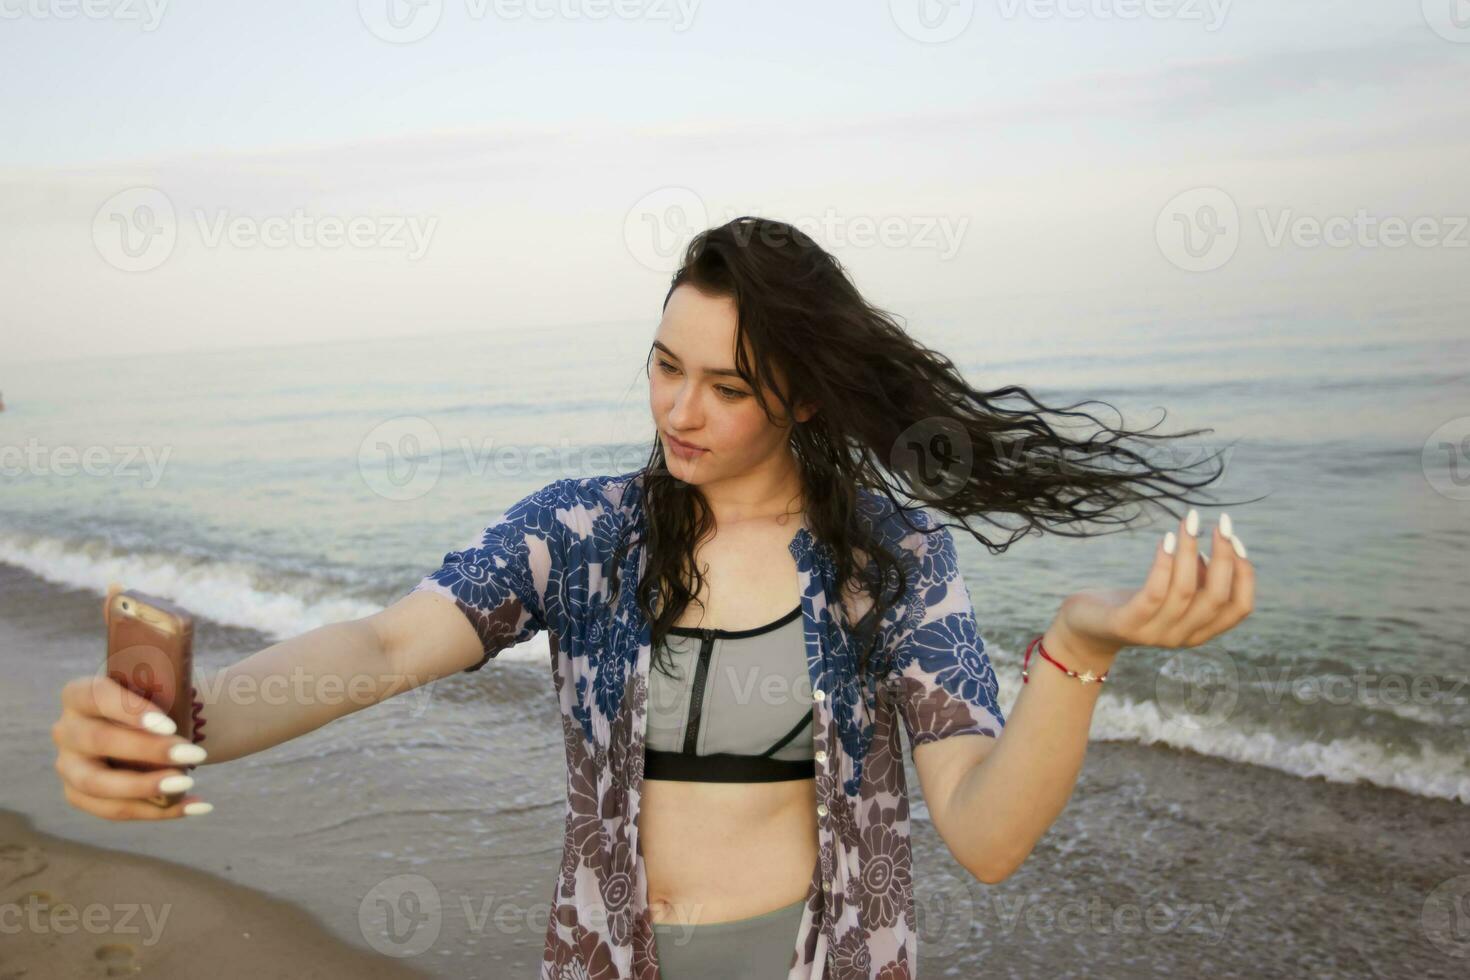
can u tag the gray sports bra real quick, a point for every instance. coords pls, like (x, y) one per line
(738, 708)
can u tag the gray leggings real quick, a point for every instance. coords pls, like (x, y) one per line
(756, 948)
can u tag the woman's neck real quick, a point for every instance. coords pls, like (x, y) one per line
(774, 491)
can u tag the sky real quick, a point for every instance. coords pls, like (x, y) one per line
(178, 176)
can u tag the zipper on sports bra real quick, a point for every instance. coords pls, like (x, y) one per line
(696, 697)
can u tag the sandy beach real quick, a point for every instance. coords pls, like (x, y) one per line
(73, 911)
(1165, 863)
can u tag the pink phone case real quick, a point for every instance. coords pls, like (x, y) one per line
(150, 651)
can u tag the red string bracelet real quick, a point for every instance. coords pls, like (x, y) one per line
(1086, 677)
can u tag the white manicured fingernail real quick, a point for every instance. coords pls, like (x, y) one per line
(197, 809)
(1238, 545)
(1191, 523)
(187, 754)
(159, 723)
(175, 784)
(1227, 526)
(1170, 543)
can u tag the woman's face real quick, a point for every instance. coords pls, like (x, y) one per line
(695, 395)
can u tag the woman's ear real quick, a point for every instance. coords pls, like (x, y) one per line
(805, 411)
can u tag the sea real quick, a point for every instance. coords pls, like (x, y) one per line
(276, 489)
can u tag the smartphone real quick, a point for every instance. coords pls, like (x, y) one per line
(150, 651)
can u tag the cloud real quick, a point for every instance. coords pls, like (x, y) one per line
(1202, 86)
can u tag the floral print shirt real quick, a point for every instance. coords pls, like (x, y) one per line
(544, 565)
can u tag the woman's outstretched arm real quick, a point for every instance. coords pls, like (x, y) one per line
(992, 799)
(300, 684)
(283, 691)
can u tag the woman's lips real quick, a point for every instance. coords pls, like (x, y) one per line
(684, 449)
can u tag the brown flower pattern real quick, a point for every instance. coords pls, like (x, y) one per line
(885, 877)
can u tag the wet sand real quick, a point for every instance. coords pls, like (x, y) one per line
(1165, 863)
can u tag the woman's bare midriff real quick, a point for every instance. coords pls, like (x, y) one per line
(721, 851)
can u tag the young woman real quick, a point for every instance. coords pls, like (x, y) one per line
(739, 627)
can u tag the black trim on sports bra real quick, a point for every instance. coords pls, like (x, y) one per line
(782, 742)
(736, 634)
(723, 767)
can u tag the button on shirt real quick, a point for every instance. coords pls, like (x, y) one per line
(544, 564)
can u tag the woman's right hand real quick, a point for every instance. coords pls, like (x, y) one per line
(101, 719)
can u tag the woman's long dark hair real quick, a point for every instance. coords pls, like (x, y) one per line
(894, 416)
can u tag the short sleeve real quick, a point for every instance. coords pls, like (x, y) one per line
(942, 677)
(500, 578)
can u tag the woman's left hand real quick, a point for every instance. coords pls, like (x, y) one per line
(1184, 602)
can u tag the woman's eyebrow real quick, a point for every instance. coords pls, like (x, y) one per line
(718, 371)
